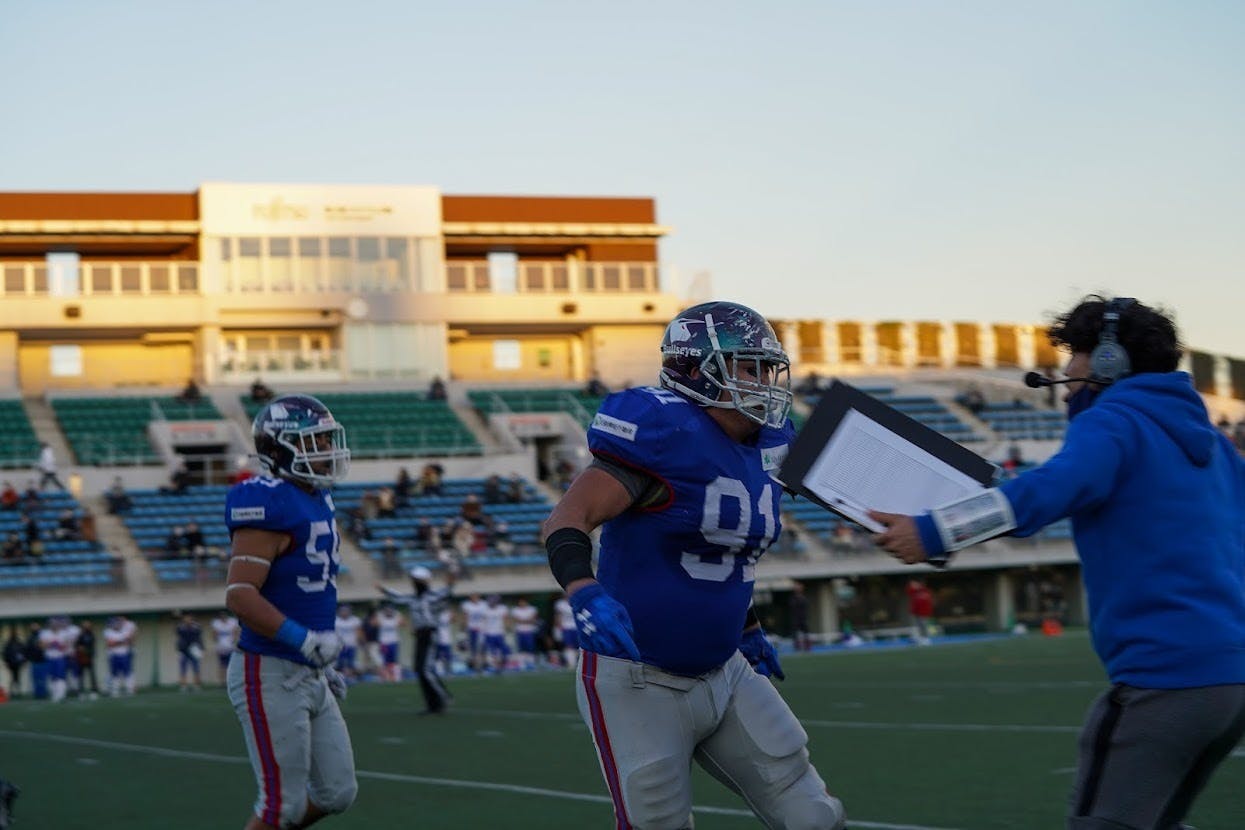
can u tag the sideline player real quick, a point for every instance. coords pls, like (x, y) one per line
(473, 608)
(681, 482)
(119, 643)
(225, 633)
(526, 625)
(282, 585)
(347, 625)
(1156, 495)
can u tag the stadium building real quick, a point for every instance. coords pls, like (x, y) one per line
(111, 302)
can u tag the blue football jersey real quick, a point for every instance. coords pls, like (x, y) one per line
(302, 582)
(684, 569)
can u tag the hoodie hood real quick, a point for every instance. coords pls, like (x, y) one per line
(1169, 400)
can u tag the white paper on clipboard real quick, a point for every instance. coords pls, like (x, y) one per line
(865, 466)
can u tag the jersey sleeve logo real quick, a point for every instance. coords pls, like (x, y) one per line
(615, 426)
(772, 457)
(246, 514)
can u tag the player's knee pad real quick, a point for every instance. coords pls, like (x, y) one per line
(806, 805)
(335, 798)
(659, 795)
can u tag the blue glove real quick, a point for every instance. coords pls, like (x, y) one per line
(756, 649)
(603, 623)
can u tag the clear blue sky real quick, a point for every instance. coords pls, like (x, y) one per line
(876, 160)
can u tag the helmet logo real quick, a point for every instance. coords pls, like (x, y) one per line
(681, 330)
(278, 411)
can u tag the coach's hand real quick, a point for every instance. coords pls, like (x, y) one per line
(603, 623)
(757, 650)
(901, 539)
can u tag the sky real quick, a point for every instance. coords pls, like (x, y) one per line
(891, 160)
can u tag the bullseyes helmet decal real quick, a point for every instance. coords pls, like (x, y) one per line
(721, 347)
(296, 437)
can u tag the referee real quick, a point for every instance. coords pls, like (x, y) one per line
(425, 605)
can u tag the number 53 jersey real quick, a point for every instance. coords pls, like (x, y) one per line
(302, 582)
(684, 566)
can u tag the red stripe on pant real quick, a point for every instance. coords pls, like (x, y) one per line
(588, 671)
(271, 773)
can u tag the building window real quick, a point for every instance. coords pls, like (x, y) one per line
(503, 271)
(66, 361)
(507, 355)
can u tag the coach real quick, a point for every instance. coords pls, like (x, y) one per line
(1157, 500)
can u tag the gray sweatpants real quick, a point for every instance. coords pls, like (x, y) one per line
(296, 737)
(1145, 754)
(648, 725)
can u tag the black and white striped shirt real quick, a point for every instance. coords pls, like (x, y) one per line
(423, 608)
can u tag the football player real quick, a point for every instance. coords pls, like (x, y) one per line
(473, 620)
(347, 626)
(119, 641)
(674, 661)
(225, 633)
(526, 624)
(282, 586)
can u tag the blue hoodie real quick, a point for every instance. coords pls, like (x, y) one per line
(1157, 500)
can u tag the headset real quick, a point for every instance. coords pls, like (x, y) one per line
(1109, 362)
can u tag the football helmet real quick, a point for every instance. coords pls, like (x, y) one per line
(297, 438)
(720, 346)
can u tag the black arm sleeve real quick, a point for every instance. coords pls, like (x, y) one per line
(643, 488)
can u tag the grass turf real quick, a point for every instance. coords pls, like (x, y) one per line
(976, 735)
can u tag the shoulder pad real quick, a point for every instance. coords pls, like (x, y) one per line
(257, 502)
(635, 426)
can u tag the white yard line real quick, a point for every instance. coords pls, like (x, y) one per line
(492, 786)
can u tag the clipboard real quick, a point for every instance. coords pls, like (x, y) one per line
(852, 442)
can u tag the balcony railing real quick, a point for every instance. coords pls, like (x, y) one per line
(558, 277)
(277, 366)
(96, 279)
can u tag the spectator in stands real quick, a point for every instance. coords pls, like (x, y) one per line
(179, 480)
(596, 388)
(514, 490)
(385, 506)
(175, 544)
(14, 550)
(241, 470)
(47, 467)
(84, 655)
(86, 526)
(500, 539)
(30, 529)
(9, 497)
(402, 487)
(844, 541)
(260, 392)
(118, 500)
(809, 385)
(436, 389)
(462, 536)
(193, 542)
(972, 399)
(31, 498)
(67, 526)
(369, 505)
(1048, 372)
(390, 567)
(190, 393)
(1014, 462)
(14, 659)
(472, 511)
(430, 480)
(426, 536)
(565, 473)
(492, 489)
(358, 525)
(797, 607)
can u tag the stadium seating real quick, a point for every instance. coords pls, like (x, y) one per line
(394, 424)
(522, 521)
(582, 407)
(113, 431)
(1019, 421)
(64, 563)
(18, 445)
(154, 514)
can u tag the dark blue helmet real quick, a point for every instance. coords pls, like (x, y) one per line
(297, 438)
(720, 347)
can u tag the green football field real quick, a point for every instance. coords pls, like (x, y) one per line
(970, 735)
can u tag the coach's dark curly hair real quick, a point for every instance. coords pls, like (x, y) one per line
(1147, 334)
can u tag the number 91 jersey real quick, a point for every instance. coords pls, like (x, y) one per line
(302, 582)
(684, 567)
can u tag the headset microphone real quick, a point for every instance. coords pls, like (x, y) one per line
(1035, 381)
